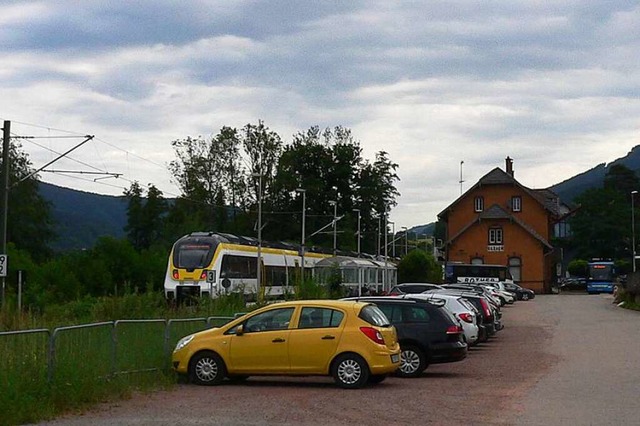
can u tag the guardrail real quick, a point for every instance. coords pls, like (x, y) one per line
(94, 351)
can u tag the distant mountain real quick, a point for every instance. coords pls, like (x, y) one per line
(420, 230)
(569, 189)
(82, 217)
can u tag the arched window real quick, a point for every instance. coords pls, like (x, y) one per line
(515, 268)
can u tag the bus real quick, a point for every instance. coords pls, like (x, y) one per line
(210, 264)
(602, 277)
(476, 273)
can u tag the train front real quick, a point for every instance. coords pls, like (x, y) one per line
(190, 259)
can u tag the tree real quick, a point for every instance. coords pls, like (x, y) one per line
(144, 216)
(602, 226)
(29, 222)
(622, 179)
(419, 267)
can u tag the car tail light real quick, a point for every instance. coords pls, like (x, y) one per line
(466, 317)
(454, 329)
(175, 274)
(485, 308)
(203, 275)
(373, 334)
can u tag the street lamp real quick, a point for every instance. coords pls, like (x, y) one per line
(358, 210)
(633, 231)
(304, 209)
(393, 238)
(406, 243)
(335, 221)
(259, 260)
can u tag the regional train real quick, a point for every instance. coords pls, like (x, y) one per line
(210, 264)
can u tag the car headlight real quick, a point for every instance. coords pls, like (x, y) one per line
(183, 342)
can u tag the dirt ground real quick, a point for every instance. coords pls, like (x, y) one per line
(485, 388)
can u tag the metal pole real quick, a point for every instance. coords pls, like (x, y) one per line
(633, 231)
(358, 210)
(19, 290)
(386, 248)
(304, 210)
(461, 163)
(335, 222)
(378, 246)
(259, 261)
(393, 240)
(5, 193)
(406, 243)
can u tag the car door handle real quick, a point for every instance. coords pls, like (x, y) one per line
(328, 337)
(278, 340)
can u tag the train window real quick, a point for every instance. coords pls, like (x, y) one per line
(191, 256)
(238, 266)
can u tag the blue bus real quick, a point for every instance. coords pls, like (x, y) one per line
(602, 277)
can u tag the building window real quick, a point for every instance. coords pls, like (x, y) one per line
(515, 268)
(495, 236)
(477, 261)
(516, 203)
(478, 204)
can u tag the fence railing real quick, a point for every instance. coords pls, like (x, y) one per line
(94, 351)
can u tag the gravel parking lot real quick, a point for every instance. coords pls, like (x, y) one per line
(486, 388)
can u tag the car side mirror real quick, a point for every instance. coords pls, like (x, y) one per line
(240, 330)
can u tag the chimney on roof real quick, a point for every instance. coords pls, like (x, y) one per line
(509, 162)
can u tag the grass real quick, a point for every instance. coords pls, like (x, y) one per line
(87, 369)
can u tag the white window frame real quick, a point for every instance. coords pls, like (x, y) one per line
(495, 236)
(478, 204)
(516, 203)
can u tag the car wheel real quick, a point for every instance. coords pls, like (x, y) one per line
(412, 361)
(350, 371)
(525, 296)
(207, 368)
(376, 378)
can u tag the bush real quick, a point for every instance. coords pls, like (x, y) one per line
(578, 268)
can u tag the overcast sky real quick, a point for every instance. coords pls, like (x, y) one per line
(555, 85)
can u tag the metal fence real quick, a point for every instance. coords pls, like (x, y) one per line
(93, 351)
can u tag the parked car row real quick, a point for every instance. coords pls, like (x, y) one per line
(357, 341)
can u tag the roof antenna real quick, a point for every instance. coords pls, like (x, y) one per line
(460, 181)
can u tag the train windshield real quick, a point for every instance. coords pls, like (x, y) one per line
(193, 255)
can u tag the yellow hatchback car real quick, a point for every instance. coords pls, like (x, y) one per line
(351, 341)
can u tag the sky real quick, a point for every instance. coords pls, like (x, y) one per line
(448, 88)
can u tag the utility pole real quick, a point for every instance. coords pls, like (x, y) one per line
(4, 189)
(461, 163)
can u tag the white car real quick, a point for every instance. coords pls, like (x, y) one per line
(505, 296)
(460, 308)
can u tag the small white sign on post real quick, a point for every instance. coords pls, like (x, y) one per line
(4, 261)
(211, 276)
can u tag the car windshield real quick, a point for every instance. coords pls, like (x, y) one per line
(374, 316)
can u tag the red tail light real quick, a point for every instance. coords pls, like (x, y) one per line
(466, 317)
(485, 308)
(373, 334)
(175, 274)
(203, 275)
(454, 329)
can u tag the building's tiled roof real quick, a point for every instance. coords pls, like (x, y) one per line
(497, 177)
(547, 198)
(495, 212)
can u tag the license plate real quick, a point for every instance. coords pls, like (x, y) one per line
(395, 358)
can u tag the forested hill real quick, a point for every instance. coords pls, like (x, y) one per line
(82, 217)
(569, 189)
